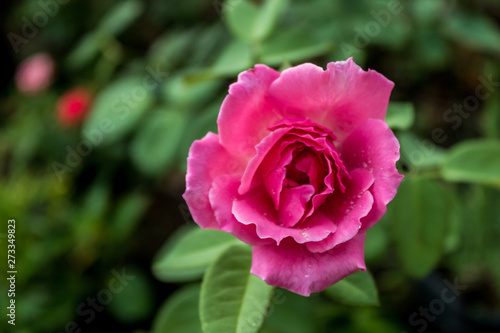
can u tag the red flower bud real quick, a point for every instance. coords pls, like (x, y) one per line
(73, 106)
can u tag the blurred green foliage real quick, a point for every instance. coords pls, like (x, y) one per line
(159, 71)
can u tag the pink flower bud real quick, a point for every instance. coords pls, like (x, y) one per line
(35, 74)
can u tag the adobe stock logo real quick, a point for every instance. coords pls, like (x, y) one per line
(436, 307)
(31, 26)
(365, 34)
(455, 116)
(87, 310)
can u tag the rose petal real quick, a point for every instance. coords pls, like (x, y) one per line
(293, 204)
(274, 170)
(207, 160)
(345, 210)
(263, 149)
(245, 115)
(222, 196)
(293, 267)
(340, 98)
(310, 165)
(308, 126)
(255, 207)
(272, 154)
(374, 147)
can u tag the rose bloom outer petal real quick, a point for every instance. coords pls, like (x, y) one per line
(245, 115)
(374, 147)
(340, 98)
(346, 210)
(207, 160)
(293, 267)
(222, 195)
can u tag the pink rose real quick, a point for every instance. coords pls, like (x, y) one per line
(303, 165)
(35, 74)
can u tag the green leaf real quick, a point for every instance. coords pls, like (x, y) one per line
(179, 313)
(370, 319)
(117, 109)
(480, 232)
(292, 313)
(126, 215)
(491, 116)
(400, 115)
(356, 289)
(475, 161)
(232, 299)
(120, 17)
(251, 23)
(180, 90)
(420, 218)
(453, 238)
(292, 45)
(376, 242)
(133, 302)
(427, 12)
(235, 57)
(87, 49)
(268, 16)
(155, 145)
(96, 200)
(240, 17)
(171, 48)
(473, 30)
(420, 153)
(395, 35)
(430, 51)
(188, 253)
(208, 41)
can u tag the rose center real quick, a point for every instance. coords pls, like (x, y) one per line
(294, 175)
(300, 169)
